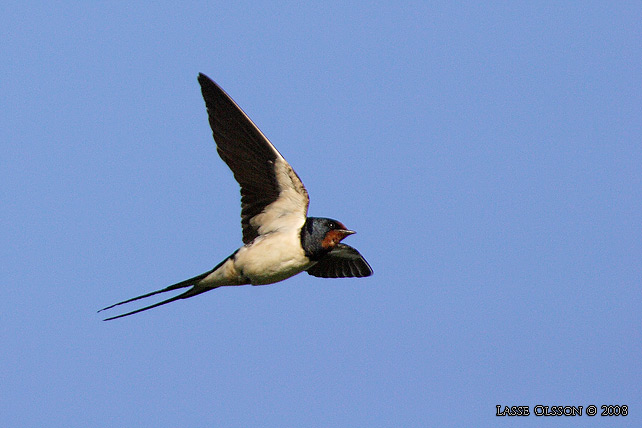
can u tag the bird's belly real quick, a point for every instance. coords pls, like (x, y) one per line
(272, 258)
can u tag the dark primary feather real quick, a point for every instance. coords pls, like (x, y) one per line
(342, 262)
(247, 152)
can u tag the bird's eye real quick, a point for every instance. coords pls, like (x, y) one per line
(332, 225)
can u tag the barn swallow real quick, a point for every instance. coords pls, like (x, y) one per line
(279, 239)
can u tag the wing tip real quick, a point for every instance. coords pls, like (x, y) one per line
(207, 83)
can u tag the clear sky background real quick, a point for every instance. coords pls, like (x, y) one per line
(487, 153)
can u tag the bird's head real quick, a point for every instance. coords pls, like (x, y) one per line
(320, 235)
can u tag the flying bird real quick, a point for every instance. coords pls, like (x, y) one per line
(279, 239)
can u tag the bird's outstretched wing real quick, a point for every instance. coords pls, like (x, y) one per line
(272, 195)
(342, 262)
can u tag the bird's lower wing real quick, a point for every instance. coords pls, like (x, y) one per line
(342, 262)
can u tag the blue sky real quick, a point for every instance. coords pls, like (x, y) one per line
(487, 153)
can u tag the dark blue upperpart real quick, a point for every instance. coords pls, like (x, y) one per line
(312, 234)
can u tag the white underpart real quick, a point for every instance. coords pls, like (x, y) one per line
(269, 258)
(226, 274)
(276, 254)
(272, 257)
